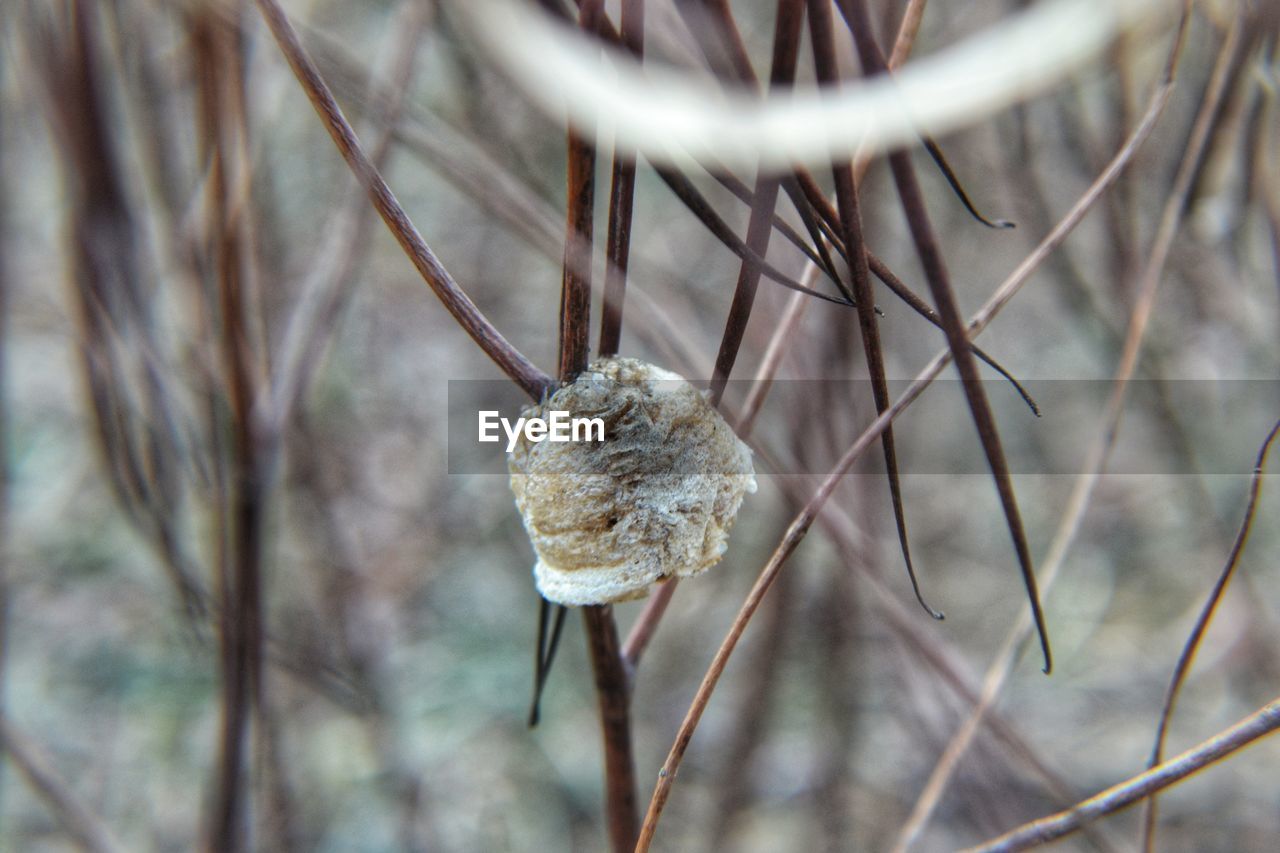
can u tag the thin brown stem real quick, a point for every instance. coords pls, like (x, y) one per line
(217, 67)
(522, 371)
(646, 624)
(666, 776)
(1187, 657)
(575, 292)
(906, 38)
(706, 214)
(1262, 722)
(621, 197)
(816, 253)
(614, 696)
(783, 334)
(719, 17)
(824, 53)
(930, 253)
(1099, 451)
(748, 735)
(786, 48)
(611, 680)
(830, 219)
(999, 299)
(329, 282)
(953, 181)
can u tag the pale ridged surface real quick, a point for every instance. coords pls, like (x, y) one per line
(654, 500)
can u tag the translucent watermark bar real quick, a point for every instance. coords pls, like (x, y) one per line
(1177, 427)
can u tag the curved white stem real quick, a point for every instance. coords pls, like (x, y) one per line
(674, 120)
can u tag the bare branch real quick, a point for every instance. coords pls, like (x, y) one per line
(1189, 649)
(804, 519)
(522, 371)
(81, 824)
(1262, 722)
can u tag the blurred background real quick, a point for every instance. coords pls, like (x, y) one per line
(226, 393)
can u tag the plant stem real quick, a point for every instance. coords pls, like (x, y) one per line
(621, 196)
(1262, 722)
(930, 254)
(786, 47)
(610, 670)
(804, 519)
(522, 371)
(615, 721)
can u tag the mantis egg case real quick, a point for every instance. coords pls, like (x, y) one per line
(654, 499)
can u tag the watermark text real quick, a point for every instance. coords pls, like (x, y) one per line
(556, 426)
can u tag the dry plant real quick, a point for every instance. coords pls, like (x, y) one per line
(253, 597)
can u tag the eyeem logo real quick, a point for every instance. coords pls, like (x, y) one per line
(556, 426)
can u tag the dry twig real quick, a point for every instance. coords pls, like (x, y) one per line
(1262, 722)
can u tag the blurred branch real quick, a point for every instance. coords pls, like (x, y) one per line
(222, 131)
(779, 342)
(935, 652)
(747, 735)
(6, 541)
(327, 286)
(646, 624)
(127, 383)
(81, 824)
